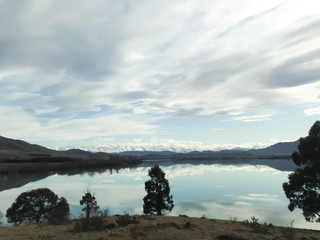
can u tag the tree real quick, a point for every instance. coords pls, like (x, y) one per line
(303, 187)
(90, 204)
(38, 205)
(93, 218)
(61, 212)
(158, 196)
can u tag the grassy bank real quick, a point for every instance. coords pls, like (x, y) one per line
(161, 228)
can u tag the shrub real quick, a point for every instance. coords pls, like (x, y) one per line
(125, 220)
(256, 227)
(94, 223)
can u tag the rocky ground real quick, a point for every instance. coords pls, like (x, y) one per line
(160, 228)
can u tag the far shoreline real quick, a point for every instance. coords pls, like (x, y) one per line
(65, 164)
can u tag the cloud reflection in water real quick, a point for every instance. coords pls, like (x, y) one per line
(217, 191)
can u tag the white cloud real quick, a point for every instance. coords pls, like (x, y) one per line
(243, 59)
(312, 111)
(256, 118)
(259, 197)
(24, 125)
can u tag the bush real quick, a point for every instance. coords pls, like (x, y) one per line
(125, 220)
(94, 223)
(256, 227)
(38, 205)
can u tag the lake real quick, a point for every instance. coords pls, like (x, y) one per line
(221, 191)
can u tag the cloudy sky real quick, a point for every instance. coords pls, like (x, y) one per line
(183, 74)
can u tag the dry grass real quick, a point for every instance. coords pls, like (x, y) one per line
(157, 228)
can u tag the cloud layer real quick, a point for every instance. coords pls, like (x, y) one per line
(90, 69)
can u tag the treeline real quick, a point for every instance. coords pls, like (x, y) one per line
(66, 163)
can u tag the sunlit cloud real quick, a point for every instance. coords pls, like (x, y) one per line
(257, 118)
(312, 111)
(260, 197)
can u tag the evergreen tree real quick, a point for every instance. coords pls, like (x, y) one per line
(303, 188)
(158, 196)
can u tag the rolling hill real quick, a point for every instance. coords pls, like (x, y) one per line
(18, 150)
(281, 149)
(20, 156)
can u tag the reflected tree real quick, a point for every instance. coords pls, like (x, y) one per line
(303, 187)
(158, 196)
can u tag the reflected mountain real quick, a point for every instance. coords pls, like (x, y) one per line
(16, 180)
(19, 179)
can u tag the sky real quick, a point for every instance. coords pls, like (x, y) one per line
(155, 75)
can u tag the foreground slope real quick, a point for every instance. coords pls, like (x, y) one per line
(161, 228)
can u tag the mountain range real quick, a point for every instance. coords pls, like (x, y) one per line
(13, 150)
(278, 150)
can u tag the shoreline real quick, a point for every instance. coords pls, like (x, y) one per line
(65, 164)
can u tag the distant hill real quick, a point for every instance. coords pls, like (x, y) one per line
(12, 149)
(211, 155)
(144, 153)
(20, 156)
(20, 146)
(281, 149)
(18, 150)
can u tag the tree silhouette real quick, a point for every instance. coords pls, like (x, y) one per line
(38, 205)
(158, 196)
(303, 187)
(94, 217)
(90, 203)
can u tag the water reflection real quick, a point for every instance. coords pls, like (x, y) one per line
(214, 190)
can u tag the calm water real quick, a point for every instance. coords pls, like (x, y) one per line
(214, 190)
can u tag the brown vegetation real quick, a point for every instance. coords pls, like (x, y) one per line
(160, 228)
